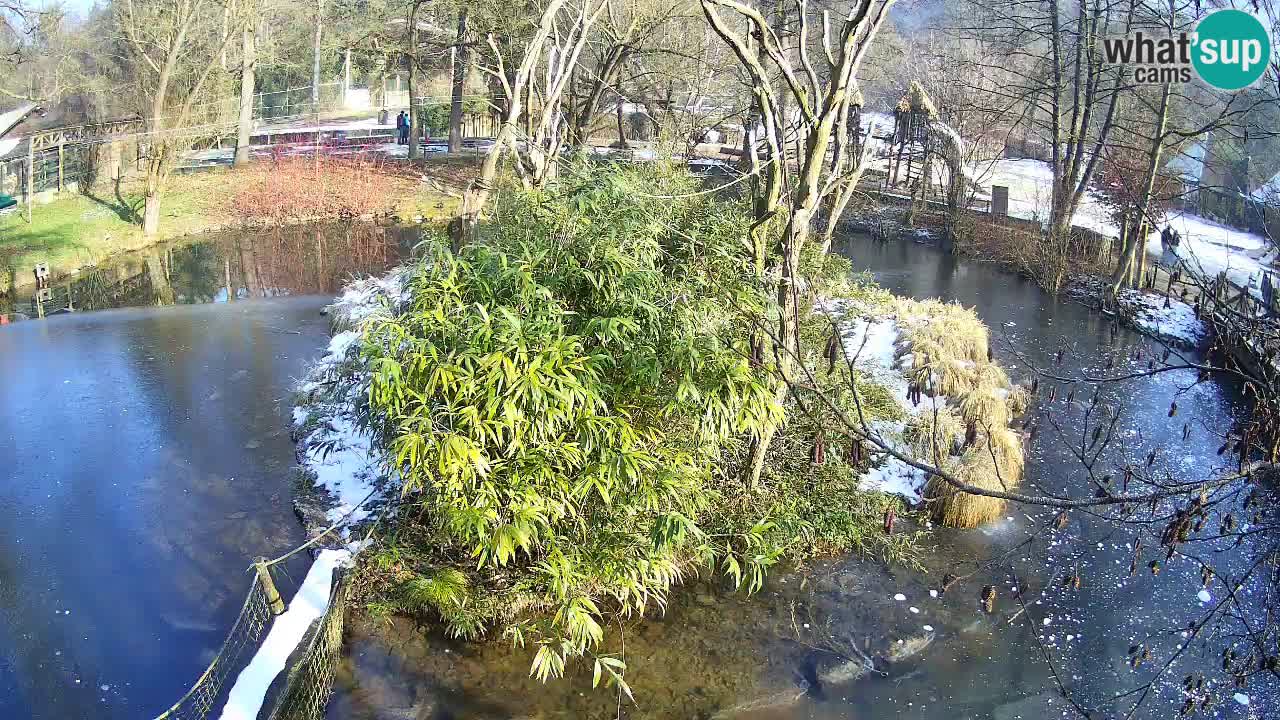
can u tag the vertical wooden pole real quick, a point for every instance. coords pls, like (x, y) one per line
(61, 157)
(274, 601)
(226, 266)
(31, 176)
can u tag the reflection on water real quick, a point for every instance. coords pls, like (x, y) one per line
(718, 654)
(145, 460)
(239, 264)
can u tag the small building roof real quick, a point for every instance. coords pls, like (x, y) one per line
(10, 118)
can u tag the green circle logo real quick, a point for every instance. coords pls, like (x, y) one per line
(1232, 49)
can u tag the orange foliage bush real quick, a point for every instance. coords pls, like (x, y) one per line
(286, 189)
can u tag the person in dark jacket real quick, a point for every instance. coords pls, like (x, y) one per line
(402, 129)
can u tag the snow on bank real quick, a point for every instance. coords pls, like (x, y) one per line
(334, 447)
(308, 605)
(873, 344)
(1176, 323)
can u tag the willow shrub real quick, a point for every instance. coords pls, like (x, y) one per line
(565, 400)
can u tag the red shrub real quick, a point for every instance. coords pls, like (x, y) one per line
(294, 188)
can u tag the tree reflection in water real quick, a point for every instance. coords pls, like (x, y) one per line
(240, 264)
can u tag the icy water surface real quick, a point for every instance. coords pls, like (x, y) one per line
(145, 460)
(716, 654)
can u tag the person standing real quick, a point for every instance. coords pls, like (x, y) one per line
(402, 129)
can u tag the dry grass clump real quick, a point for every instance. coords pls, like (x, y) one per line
(955, 508)
(992, 375)
(1019, 400)
(1004, 447)
(950, 346)
(986, 406)
(936, 434)
(953, 377)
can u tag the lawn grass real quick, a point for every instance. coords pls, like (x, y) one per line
(83, 229)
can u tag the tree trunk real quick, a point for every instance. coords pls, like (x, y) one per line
(247, 62)
(463, 227)
(460, 56)
(154, 189)
(1140, 254)
(315, 60)
(1124, 260)
(1136, 257)
(414, 151)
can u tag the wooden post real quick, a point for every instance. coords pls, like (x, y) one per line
(61, 155)
(31, 176)
(274, 601)
(226, 265)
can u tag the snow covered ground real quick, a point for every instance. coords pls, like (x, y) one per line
(873, 344)
(335, 448)
(1210, 248)
(1176, 323)
(1207, 247)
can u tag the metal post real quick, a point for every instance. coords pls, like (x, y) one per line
(274, 601)
(346, 78)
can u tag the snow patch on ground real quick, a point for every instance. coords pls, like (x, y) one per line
(366, 299)
(309, 604)
(1177, 322)
(334, 447)
(873, 343)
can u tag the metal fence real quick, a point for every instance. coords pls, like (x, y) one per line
(52, 170)
(310, 681)
(202, 699)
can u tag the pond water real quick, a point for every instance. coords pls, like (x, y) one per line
(145, 460)
(315, 258)
(718, 654)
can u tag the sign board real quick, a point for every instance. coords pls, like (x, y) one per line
(999, 201)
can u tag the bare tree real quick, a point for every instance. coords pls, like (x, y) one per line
(1050, 76)
(782, 76)
(462, 228)
(172, 48)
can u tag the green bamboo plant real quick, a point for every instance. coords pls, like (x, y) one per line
(565, 399)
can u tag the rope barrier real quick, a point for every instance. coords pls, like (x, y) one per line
(341, 521)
